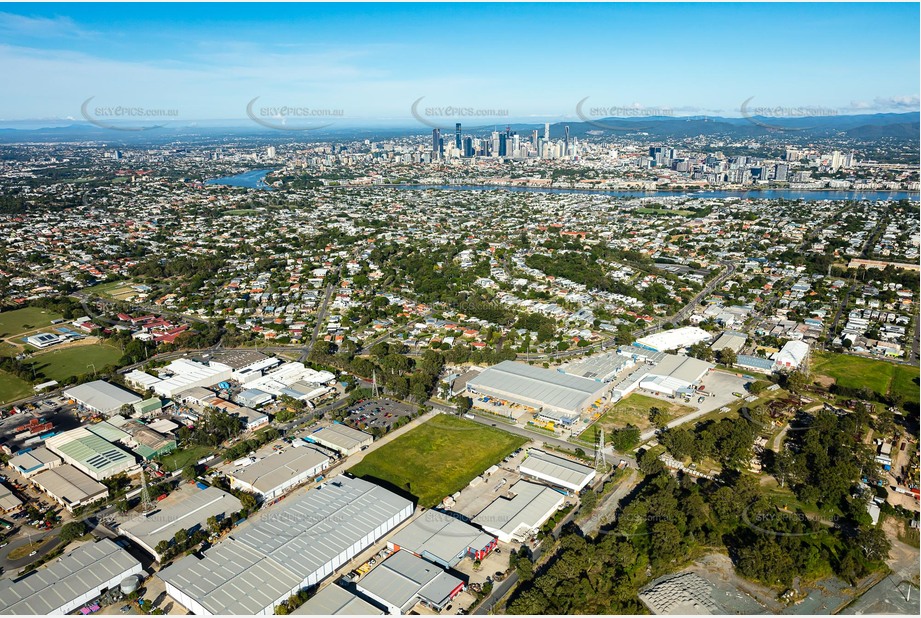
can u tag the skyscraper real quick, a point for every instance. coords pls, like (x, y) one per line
(566, 140)
(547, 131)
(468, 146)
(503, 144)
(436, 138)
(457, 136)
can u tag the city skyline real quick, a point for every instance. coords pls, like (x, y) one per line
(370, 65)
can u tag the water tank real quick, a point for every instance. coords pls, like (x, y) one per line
(130, 584)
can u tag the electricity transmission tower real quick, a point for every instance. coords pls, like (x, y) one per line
(146, 502)
(601, 465)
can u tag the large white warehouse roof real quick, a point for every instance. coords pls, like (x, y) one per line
(537, 387)
(290, 547)
(674, 339)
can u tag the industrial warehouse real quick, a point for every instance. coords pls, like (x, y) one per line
(190, 513)
(33, 461)
(271, 477)
(403, 580)
(556, 471)
(69, 487)
(70, 581)
(90, 453)
(295, 546)
(101, 397)
(556, 396)
(674, 339)
(341, 438)
(334, 600)
(521, 516)
(443, 539)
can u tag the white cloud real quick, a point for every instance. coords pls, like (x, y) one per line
(46, 27)
(899, 104)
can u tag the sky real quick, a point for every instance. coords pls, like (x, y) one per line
(369, 63)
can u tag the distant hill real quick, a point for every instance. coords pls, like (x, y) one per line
(862, 126)
(903, 126)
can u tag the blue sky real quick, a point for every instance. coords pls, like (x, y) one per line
(537, 61)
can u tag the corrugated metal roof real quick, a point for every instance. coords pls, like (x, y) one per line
(342, 437)
(537, 386)
(271, 472)
(683, 368)
(72, 575)
(566, 471)
(442, 536)
(403, 577)
(107, 431)
(525, 510)
(102, 396)
(285, 546)
(336, 601)
(193, 510)
(69, 484)
(88, 449)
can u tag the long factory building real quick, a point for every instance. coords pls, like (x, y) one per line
(291, 547)
(556, 396)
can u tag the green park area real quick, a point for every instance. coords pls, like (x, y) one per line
(75, 361)
(117, 290)
(13, 388)
(634, 410)
(25, 320)
(437, 458)
(856, 372)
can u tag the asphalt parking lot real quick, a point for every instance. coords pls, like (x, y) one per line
(382, 413)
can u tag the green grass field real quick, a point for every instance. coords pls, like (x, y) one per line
(118, 290)
(634, 410)
(12, 388)
(75, 361)
(879, 376)
(438, 458)
(177, 460)
(25, 320)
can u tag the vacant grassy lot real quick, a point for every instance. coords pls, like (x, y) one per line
(634, 410)
(177, 460)
(12, 388)
(75, 361)
(438, 458)
(856, 372)
(25, 320)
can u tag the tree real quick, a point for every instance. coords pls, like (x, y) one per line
(181, 537)
(658, 417)
(162, 548)
(72, 530)
(796, 382)
(625, 438)
(728, 357)
(189, 472)
(873, 542)
(463, 404)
